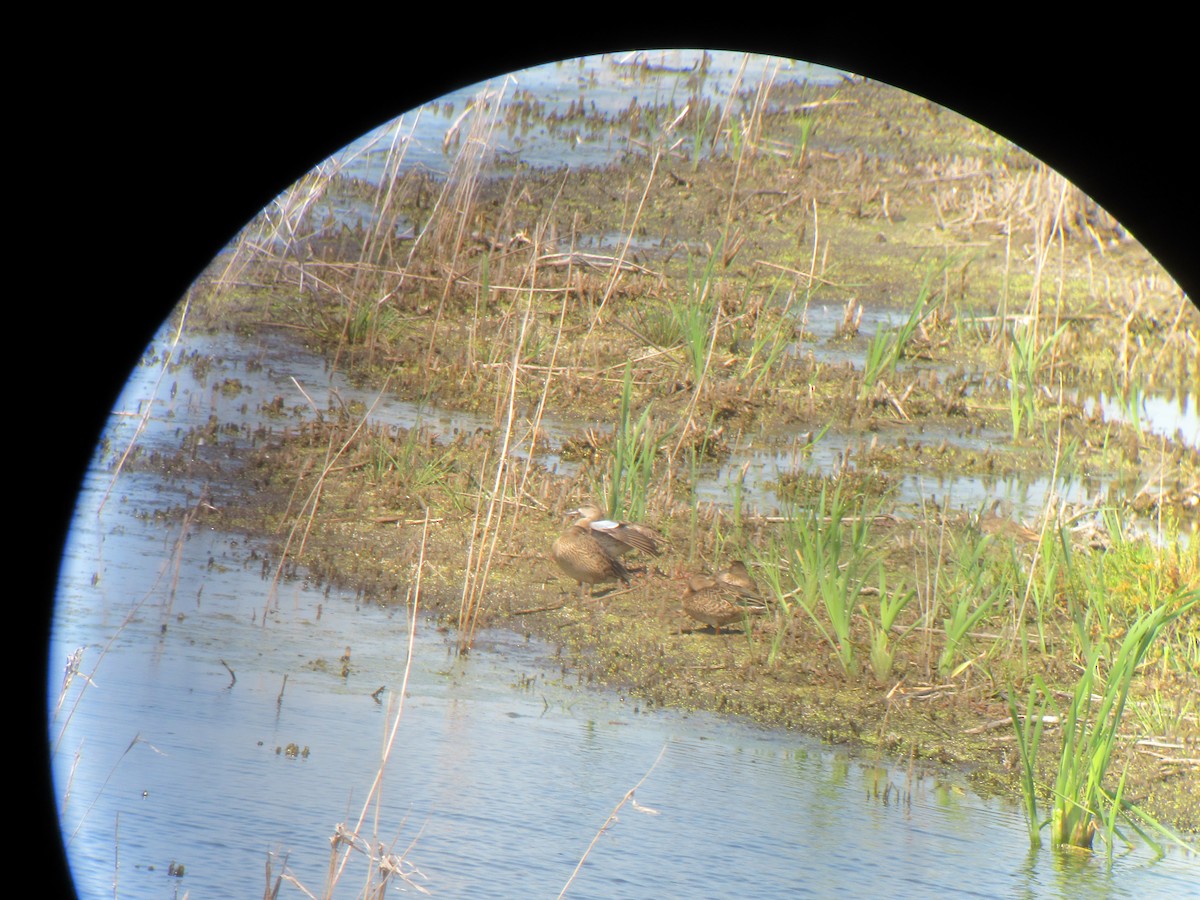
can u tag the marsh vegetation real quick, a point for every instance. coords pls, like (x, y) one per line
(964, 557)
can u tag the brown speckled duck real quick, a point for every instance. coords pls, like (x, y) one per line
(707, 600)
(618, 538)
(581, 555)
(737, 578)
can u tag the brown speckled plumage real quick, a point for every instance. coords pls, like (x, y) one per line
(737, 578)
(992, 522)
(706, 600)
(582, 557)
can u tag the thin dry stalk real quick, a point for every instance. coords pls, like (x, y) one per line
(475, 582)
(471, 566)
(137, 739)
(449, 225)
(685, 431)
(729, 100)
(537, 418)
(929, 598)
(272, 892)
(619, 269)
(729, 212)
(282, 221)
(374, 794)
(1046, 226)
(76, 657)
(753, 129)
(177, 551)
(386, 199)
(1046, 511)
(612, 817)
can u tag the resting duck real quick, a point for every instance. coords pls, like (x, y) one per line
(706, 600)
(618, 538)
(582, 556)
(737, 578)
(993, 522)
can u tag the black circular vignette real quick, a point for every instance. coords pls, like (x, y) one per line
(168, 148)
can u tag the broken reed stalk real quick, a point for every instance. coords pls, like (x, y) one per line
(612, 817)
(313, 501)
(373, 794)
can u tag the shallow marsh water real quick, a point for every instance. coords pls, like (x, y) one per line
(607, 89)
(504, 769)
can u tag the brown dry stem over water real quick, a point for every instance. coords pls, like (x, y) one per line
(1021, 299)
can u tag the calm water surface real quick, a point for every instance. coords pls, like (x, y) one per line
(504, 768)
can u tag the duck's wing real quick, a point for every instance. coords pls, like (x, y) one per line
(738, 580)
(625, 536)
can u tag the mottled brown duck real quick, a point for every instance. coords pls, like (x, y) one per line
(709, 602)
(581, 555)
(737, 578)
(618, 538)
(993, 522)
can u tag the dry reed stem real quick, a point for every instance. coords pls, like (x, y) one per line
(475, 582)
(471, 565)
(373, 794)
(462, 186)
(1037, 550)
(691, 409)
(615, 278)
(930, 599)
(612, 817)
(177, 550)
(733, 91)
(537, 418)
(137, 739)
(384, 202)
